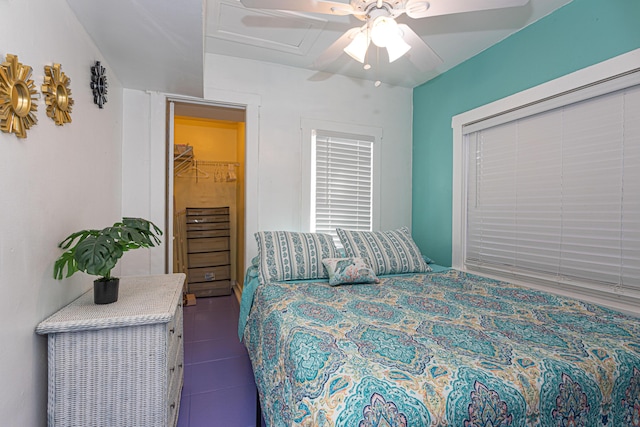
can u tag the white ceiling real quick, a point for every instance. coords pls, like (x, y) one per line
(159, 44)
(153, 45)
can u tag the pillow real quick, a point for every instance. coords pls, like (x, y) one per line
(344, 271)
(287, 255)
(389, 252)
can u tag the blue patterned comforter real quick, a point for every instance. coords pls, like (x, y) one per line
(440, 349)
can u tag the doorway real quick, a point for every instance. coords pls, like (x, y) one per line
(208, 196)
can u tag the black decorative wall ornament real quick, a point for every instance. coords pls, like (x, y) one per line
(99, 84)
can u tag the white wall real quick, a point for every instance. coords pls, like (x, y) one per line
(86, 174)
(144, 173)
(288, 95)
(56, 181)
(283, 96)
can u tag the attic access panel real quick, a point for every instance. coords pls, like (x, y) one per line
(287, 32)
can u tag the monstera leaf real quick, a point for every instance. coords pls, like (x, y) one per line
(97, 252)
(139, 233)
(98, 255)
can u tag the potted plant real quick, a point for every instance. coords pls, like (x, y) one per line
(96, 252)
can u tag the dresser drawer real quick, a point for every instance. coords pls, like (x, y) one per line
(176, 374)
(206, 219)
(208, 233)
(175, 365)
(209, 274)
(210, 244)
(201, 226)
(207, 211)
(210, 289)
(173, 403)
(175, 334)
(208, 259)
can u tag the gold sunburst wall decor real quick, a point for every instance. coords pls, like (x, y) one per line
(17, 97)
(57, 94)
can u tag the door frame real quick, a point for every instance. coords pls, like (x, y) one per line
(251, 105)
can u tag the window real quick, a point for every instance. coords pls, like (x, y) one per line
(342, 193)
(342, 178)
(551, 193)
(559, 193)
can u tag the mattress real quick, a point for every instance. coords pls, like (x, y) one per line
(444, 348)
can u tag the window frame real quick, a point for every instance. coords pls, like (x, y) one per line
(308, 127)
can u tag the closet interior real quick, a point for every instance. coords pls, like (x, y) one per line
(208, 198)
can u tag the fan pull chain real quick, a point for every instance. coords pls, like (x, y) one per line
(377, 82)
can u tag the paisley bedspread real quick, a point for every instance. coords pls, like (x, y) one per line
(440, 349)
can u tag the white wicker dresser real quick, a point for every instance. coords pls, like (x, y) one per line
(118, 364)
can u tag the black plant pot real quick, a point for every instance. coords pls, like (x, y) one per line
(105, 291)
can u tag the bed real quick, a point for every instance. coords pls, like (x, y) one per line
(436, 348)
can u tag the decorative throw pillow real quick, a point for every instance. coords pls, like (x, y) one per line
(343, 271)
(390, 252)
(288, 255)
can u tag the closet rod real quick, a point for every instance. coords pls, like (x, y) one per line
(214, 163)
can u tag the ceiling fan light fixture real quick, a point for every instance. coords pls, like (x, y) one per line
(397, 47)
(357, 49)
(383, 30)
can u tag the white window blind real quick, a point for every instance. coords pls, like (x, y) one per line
(555, 196)
(342, 182)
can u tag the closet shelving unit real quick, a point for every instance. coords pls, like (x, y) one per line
(208, 251)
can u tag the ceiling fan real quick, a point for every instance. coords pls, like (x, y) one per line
(380, 26)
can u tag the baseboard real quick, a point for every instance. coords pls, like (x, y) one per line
(237, 291)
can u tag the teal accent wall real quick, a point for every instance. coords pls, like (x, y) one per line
(580, 34)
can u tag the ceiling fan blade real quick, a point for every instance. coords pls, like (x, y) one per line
(422, 56)
(415, 8)
(313, 6)
(336, 49)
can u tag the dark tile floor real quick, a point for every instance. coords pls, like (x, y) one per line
(219, 389)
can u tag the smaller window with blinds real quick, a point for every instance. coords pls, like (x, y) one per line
(341, 182)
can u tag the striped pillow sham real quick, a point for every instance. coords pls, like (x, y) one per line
(388, 252)
(288, 255)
